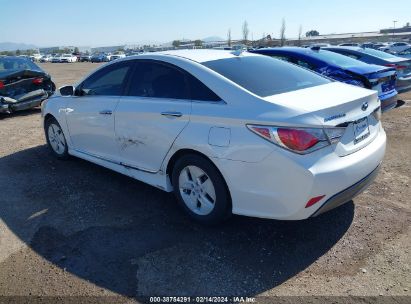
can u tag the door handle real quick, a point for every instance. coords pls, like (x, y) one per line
(170, 113)
(106, 112)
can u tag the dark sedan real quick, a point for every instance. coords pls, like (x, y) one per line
(23, 84)
(367, 55)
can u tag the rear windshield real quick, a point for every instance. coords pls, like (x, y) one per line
(265, 76)
(336, 59)
(379, 54)
(10, 64)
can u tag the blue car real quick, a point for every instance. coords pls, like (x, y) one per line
(342, 68)
(371, 56)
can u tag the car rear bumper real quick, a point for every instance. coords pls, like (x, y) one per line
(389, 103)
(280, 186)
(27, 103)
(403, 84)
(348, 194)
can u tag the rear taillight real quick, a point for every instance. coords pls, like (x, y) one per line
(37, 81)
(397, 67)
(299, 140)
(1, 85)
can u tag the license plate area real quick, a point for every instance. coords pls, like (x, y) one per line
(361, 130)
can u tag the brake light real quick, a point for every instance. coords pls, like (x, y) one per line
(299, 140)
(1, 85)
(37, 81)
(397, 67)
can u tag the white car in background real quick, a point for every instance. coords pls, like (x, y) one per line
(46, 58)
(117, 56)
(395, 47)
(68, 58)
(56, 58)
(228, 132)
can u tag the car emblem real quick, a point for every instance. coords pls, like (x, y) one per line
(364, 106)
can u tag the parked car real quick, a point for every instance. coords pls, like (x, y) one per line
(395, 47)
(23, 84)
(371, 56)
(68, 58)
(99, 58)
(85, 58)
(405, 53)
(46, 58)
(117, 56)
(349, 44)
(35, 57)
(228, 132)
(77, 55)
(56, 58)
(344, 69)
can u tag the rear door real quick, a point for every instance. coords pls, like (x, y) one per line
(154, 112)
(90, 117)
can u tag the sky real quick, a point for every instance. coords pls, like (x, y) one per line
(117, 22)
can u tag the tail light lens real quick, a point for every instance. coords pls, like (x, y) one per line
(299, 140)
(1, 85)
(397, 67)
(37, 81)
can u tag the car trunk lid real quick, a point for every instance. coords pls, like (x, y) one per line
(337, 105)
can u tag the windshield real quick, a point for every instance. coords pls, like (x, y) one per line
(265, 76)
(10, 64)
(336, 59)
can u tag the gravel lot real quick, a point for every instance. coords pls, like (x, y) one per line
(71, 228)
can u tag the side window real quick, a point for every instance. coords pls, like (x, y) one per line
(158, 80)
(304, 64)
(108, 81)
(350, 55)
(285, 58)
(200, 91)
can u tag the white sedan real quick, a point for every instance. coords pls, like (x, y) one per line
(68, 58)
(228, 132)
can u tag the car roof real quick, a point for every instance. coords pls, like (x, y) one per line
(202, 56)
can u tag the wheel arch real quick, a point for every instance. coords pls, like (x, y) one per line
(186, 151)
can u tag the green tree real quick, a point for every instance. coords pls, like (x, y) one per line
(18, 53)
(229, 42)
(198, 43)
(176, 43)
(76, 50)
(312, 33)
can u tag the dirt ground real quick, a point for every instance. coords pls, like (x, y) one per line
(71, 229)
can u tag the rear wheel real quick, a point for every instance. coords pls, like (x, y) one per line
(201, 190)
(56, 139)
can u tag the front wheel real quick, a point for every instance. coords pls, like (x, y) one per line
(56, 139)
(201, 190)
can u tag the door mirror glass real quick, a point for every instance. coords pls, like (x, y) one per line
(67, 91)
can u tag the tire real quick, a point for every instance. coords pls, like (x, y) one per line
(201, 190)
(56, 139)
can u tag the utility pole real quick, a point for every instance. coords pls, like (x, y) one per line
(393, 31)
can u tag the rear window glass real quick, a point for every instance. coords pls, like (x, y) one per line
(265, 76)
(336, 59)
(17, 64)
(379, 54)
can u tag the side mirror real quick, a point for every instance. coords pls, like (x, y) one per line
(67, 91)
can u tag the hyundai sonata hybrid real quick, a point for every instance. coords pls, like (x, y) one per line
(228, 132)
